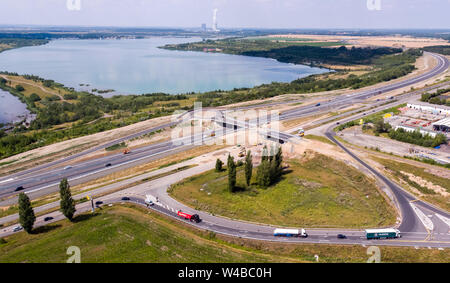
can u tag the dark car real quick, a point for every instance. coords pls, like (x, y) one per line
(196, 218)
(318, 104)
(125, 198)
(48, 218)
(108, 164)
(20, 188)
(341, 236)
(98, 202)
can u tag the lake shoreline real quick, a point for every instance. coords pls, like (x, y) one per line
(121, 68)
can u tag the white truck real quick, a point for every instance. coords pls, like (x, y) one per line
(290, 233)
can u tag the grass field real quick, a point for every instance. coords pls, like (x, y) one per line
(122, 234)
(319, 192)
(132, 234)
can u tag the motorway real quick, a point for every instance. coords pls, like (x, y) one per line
(414, 226)
(45, 178)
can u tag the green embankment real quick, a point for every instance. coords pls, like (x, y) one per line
(132, 234)
(315, 192)
(119, 234)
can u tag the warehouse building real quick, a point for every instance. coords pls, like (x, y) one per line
(442, 125)
(432, 108)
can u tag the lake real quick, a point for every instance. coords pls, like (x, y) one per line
(136, 66)
(11, 108)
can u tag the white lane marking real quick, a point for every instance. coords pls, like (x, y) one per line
(423, 218)
(444, 219)
(101, 170)
(7, 180)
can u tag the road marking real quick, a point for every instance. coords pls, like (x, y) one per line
(444, 219)
(423, 218)
(7, 180)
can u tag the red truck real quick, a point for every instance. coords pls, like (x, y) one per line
(193, 217)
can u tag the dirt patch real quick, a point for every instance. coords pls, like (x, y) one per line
(426, 184)
(363, 41)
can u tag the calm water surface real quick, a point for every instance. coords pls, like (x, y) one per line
(11, 108)
(138, 66)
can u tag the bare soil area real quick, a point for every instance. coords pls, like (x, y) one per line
(363, 41)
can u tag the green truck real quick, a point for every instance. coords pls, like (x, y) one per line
(382, 234)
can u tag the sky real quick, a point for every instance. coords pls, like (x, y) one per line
(340, 14)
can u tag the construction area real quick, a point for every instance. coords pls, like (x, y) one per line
(427, 118)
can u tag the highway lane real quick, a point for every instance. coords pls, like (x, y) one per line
(409, 224)
(51, 164)
(43, 176)
(442, 65)
(254, 231)
(251, 230)
(87, 168)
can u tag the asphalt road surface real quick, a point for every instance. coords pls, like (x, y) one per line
(412, 225)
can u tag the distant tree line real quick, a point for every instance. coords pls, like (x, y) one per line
(434, 98)
(417, 138)
(441, 49)
(386, 68)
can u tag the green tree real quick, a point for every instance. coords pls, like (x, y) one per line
(265, 154)
(67, 203)
(231, 166)
(381, 126)
(26, 213)
(34, 97)
(20, 88)
(248, 167)
(219, 165)
(278, 163)
(263, 174)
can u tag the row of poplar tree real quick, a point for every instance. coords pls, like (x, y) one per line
(26, 212)
(267, 173)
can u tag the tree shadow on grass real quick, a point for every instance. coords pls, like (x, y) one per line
(239, 189)
(83, 217)
(45, 229)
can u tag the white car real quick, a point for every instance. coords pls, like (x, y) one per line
(17, 229)
(67, 167)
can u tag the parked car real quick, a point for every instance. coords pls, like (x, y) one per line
(48, 218)
(99, 202)
(341, 236)
(125, 198)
